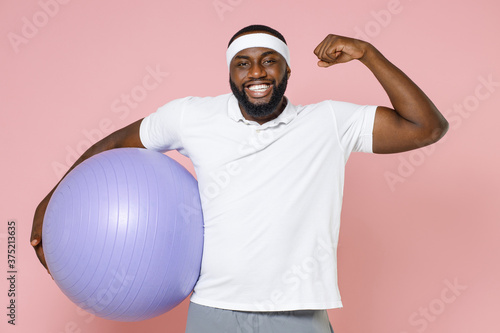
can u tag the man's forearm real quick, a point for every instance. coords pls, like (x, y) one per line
(125, 137)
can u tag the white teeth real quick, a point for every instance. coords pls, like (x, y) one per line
(259, 87)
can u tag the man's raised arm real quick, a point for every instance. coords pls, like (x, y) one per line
(413, 122)
(125, 137)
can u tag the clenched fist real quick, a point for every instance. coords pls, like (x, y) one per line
(338, 49)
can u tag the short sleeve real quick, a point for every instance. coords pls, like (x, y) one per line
(161, 130)
(354, 126)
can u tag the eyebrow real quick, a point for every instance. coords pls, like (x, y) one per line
(268, 53)
(262, 55)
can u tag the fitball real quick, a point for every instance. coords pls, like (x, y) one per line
(123, 234)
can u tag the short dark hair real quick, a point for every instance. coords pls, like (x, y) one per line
(257, 27)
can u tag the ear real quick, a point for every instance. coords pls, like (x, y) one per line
(288, 71)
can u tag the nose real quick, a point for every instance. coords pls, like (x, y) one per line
(257, 71)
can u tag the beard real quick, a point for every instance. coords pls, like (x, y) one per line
(264, 109)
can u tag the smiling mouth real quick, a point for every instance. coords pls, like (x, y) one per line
(259, 87)
(259, 90)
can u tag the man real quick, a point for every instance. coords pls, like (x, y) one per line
(271, 179)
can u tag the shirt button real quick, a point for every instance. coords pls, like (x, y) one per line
(258, 131)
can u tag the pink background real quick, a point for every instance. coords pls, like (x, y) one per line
(413, 223)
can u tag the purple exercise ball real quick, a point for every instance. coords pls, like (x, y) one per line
(123, 234)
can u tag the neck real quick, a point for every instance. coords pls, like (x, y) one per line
(265, 119)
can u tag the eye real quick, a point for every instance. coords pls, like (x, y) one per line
(269, 61)
(242, 64)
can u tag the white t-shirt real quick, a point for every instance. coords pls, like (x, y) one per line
(271, 196)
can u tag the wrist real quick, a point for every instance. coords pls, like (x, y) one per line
(370, 54)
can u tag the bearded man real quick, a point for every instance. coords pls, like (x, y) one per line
(271, 175)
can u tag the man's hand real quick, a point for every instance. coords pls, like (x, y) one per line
(338, 49)
(36, 231)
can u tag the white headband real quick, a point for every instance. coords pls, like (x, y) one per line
(257, 40)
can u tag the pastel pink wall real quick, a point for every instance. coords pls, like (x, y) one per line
(419, 238)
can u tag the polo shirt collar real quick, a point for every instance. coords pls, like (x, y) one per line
(285, 117)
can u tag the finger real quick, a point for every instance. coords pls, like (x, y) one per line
(35, 234)
(322, 48)
(328, 52)
(325, 64)
(328, 56)
(41, 256)
(334, 50)
(36, 229)
(317, 50)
